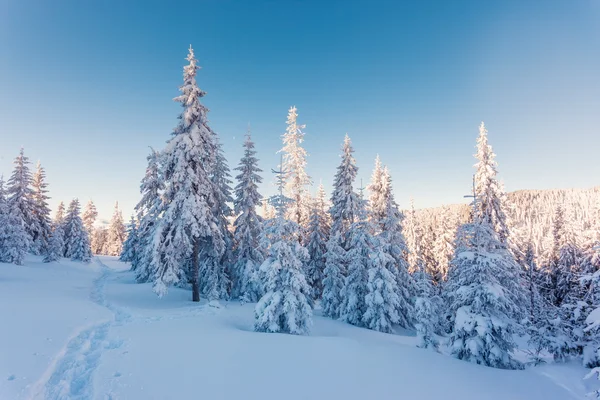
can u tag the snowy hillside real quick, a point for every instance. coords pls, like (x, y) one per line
(77, 331)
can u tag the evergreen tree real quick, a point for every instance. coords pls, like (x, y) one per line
(345, 203)
(130, 246)
(443, 248)
(489, 208)
(489, 192)
(414, 239)
(377, 189)
(56, 245)
(391, 239)
(285, 307)
(41, 211)
(294, 163)
(14, 240)
(116, 234)
(427, 308)
(147, 212)
(77, 244)
(215, 263)
(318, 234)
(333, 277)
(360, 244)
(482, 307)
(98, 240)
(59, 218)
(89, 217)
(59, 221)
(381, 300)
(20, 195)
(187, 226)
(344, 212)
(247, 227)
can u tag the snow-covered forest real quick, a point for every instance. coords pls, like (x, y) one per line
(510, 280)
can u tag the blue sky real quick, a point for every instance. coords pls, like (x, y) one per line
(87, 86)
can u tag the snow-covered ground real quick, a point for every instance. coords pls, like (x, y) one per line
(75, 331)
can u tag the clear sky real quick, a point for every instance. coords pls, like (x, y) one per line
(86, 86)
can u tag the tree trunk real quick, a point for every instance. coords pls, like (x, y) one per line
(195, 271)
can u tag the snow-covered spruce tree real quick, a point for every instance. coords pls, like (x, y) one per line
(544, 326)
(426, 310)
(391, 240)
(130, 246)
(562, 262)
(336, 260)
(429, 259)
(14, 240)
(20, 195)
(147, 213)
(318, 235)
(77, 244)
(98, 240)
(59, 220)
(360, 246)
(482, 306)
(381, 300)
(116, 234)
(188, 226)
(41, 211)
(377, 189)
(414, 237)
(443, 247)
(344, 211)
(248, 254)
(294, 164)
(285, 307)
(489, 191)
(89, 217)
(216, 265)
(490, 209)
(56, 244)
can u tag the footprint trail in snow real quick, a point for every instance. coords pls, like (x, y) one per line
(71, 375)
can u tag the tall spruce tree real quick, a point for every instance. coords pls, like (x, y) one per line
(116, 234)
(489, 191)
(377, 189)
(248, 254)
(216, 263)
(294, 163)
(20, 195)
(381, 300)
(427, 309)
(77, 244)
(187, 226)
(443, 247)
(14, 240)
(482, 307)
(41, 211)
(391, 239)
(414, 237)
(318, 234)
(147, 213)
(285, 307)
(130, 246)
(360, 243)
(345, 209)
(89, 217)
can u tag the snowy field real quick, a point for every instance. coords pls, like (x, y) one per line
(76, 331)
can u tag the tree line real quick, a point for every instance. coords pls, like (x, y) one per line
(472, 280)
(27, 228)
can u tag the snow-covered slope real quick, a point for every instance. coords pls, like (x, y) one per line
(73, 331)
